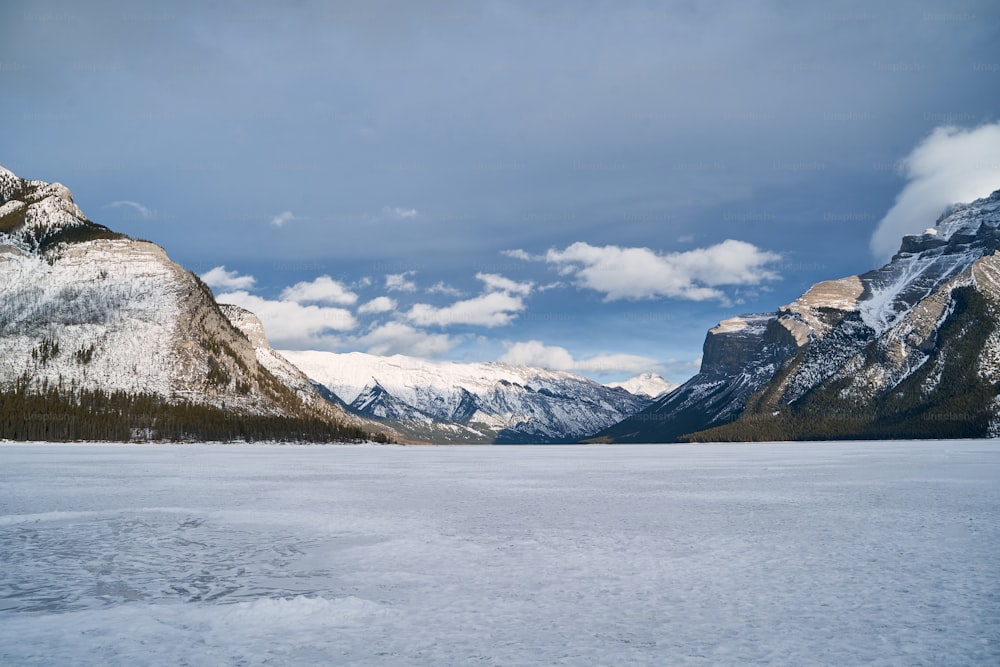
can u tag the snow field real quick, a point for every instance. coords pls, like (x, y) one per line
(834, 553)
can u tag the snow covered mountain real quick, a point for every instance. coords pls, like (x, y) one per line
(649, 385)
(467, 402)
(911, 349)
(86, 310)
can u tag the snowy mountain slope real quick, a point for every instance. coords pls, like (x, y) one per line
(85, 309)
(468, 402)
(284, 371)
(844, 359)
(649, 385)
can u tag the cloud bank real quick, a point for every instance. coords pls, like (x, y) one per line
(400, 282)
(950, 166)
(289, 324)
(552, 357)
(499, 305)
(399, 338)
(641, 273)
(380, 304)
(227, 280)
(321, 290)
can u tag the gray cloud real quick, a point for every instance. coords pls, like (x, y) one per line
(504, 123)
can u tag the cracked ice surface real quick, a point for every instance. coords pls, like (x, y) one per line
(835, 553)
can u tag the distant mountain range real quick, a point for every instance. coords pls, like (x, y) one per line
(649, 385)
(103, 337)
(443, 401)
(909, 350)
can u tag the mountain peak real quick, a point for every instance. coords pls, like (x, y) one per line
(35, 215)
(9, 184)
(87, 312)
(650, 385)
(907, 350)
(964, 234)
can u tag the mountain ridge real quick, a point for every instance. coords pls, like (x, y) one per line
(88, 311)
(467, 402)
(828, 364)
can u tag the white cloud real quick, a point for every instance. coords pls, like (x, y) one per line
(381, 304)
(400, 282)
(140, 210)
(441, 288)
(497, 283)
(228, 280)
(282, 218)
(399, 213)
(536, 353)
(950, 166)
(493, 309)
(400, 338)
(640, 273)
(290, 324)
(517, 253)
(321, 290)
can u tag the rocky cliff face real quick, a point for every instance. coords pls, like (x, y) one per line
(883, 354)
(287, 373)
(85, 309)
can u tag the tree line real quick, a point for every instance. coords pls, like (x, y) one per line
(59, 415)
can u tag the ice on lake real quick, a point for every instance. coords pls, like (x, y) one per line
(847, 553)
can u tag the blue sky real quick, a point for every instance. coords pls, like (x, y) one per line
(583, 185)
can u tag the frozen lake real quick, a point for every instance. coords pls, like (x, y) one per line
(836, 554)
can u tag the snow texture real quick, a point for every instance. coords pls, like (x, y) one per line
(119, 298)
(482, 398)
(963, 234)
(805, 554)
(649, 385)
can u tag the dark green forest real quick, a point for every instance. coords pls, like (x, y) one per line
(59, 415)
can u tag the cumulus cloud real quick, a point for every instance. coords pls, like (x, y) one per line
(381, 304)
(291, 324)
(441, 288)
(321, 290)
(641, 273)
(399, 213)
(493, 309)
(140, 210)
(502, 299)
(282, 218)
(400, 338)
(536, 353)
(497, 283)
(950, 166)
(400, 282)
(227, 280)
